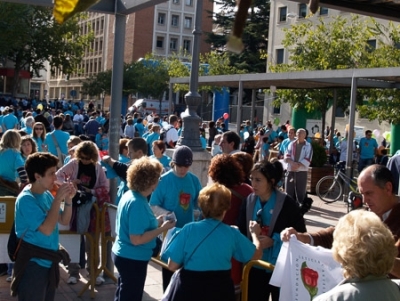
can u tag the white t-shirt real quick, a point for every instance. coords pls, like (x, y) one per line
(172, 135)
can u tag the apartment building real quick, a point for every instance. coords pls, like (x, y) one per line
(163, 29)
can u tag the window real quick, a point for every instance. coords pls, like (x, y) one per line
(173, 44)
(160, 42)
(323, 11)
(175, 1)
(188, 22)
(302, 10)
(277, 110)
(371, 45)
(189, 2)
(161, 18)
(282, 14)
(339, 112)
(280, 56)
(186, 45)
(174, 20)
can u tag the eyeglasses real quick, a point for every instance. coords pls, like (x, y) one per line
(40, 129)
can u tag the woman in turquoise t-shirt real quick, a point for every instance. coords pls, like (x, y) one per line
(137, 229)
(204, 251)
(12, 164)
(39, 134)
(158, 150)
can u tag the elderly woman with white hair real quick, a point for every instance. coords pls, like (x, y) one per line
(28, 128)
(365, 248)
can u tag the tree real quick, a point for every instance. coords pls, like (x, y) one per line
(254, 37)
(383, 104)
(97, 84)
(31, 37)
(340, 44)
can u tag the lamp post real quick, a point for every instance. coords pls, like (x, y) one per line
(190, 132)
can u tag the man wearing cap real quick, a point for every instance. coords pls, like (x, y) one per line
(177, 192)
(230, 143)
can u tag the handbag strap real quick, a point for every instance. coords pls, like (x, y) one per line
(55, 140)
(195, 249)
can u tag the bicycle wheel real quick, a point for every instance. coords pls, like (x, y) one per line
(328, 189)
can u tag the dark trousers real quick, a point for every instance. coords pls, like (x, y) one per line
(259, 289)
(34, 284)
(131, 278)
(166, 278)
(296, 185)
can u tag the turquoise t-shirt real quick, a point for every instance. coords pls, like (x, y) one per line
(367, 148)
(30, 212)
(140, 128)
(10, 121)
(39, 143)
(215, 252)
(178, 195)
(134, 217)
(164, 160)
(11, 160)
(62, 139)
(150, 139)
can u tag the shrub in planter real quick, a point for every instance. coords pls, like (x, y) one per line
(319, 157)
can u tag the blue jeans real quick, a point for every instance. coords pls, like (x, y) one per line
(362, 163)
(131, 278)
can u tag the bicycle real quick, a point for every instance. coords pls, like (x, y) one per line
(330, 188)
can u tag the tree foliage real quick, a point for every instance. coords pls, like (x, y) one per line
(30, 37)
(339, 44)
(254, 37)
(150, 76)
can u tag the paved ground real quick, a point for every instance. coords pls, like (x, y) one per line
(320, 216)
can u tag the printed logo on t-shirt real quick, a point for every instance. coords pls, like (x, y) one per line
(184, 200)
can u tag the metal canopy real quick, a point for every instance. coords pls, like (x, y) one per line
(385, 78)
(125, 7)
(384, 9)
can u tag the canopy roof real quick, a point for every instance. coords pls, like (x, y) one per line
(384, 9)
(387, 78)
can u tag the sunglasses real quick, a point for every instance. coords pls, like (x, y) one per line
(85, 158)
(41, 129)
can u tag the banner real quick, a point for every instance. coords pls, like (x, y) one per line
(304, 272)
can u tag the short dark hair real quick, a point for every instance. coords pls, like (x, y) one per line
(39, 163)
(381, 175)
(173, 119)
(138, 143)
(57, 121)
(232, 137)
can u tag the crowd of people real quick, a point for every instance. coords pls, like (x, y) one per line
(251, 205)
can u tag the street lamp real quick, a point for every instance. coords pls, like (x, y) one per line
(190, 132)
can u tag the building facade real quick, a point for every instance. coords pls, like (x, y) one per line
(163, 30)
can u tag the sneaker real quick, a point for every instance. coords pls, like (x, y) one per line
(72, 280)
(9, 279)
(99, 280)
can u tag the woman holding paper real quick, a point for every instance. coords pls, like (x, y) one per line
(365, 248)
(137, 229)
(274, 211)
